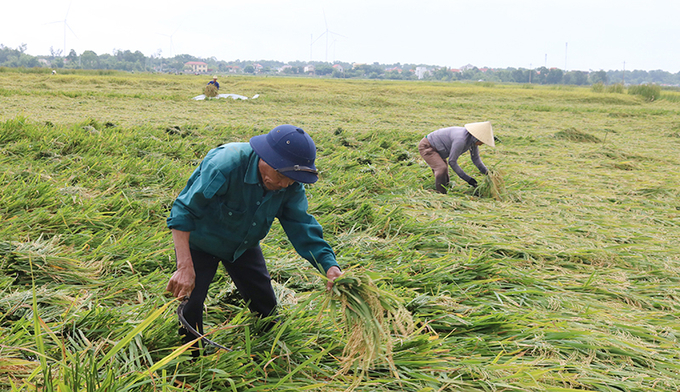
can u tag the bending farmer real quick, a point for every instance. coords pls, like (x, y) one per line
(451, 143)
(228, 206)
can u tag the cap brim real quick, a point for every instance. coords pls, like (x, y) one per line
(275, 160)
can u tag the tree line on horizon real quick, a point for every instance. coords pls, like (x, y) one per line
(126, 60)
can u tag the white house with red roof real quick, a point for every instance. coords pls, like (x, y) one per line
(197, 66)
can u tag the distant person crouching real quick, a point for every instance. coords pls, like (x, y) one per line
(450, 143)
(214, 82)
(211, 90)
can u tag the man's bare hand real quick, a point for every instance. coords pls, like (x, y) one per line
(182, 282)
(332, 273)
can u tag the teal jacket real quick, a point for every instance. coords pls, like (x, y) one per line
(227, 210)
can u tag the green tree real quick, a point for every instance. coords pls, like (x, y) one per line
(8, 53)
(578, 78)
(72, 55)
(658, 76)
(599, 77)
(58, 63)
(501, 75)
(442, 74)
(89, 60)
(554, 76)
(337, 73)
(249, 69)
(520, 76)
(27, 61)
(323, 69)
(395, 75)
(541, 75)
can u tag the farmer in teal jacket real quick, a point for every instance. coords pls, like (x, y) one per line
(228, 206)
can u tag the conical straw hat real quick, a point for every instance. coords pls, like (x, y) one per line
(482, 131)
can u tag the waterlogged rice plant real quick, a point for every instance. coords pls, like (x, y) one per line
(370, 316)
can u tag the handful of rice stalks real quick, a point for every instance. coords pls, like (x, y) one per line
(210, 91)
(492, 187)
(370, 316)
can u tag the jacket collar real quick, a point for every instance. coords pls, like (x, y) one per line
(252, 172)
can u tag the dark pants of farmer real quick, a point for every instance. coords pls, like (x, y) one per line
(439, 167)
(249, 274)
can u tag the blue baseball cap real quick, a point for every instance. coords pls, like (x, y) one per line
(288, 150)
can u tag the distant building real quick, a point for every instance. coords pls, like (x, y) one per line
(395, 69)
(338, 67)
(421, 72)
(310, 68)
(232, 68)
(467, 67)
(197, 66)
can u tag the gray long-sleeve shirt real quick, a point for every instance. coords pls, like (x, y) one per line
(451, 143)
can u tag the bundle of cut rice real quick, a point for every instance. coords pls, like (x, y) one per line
(492, 186)
(210, 91)
(370, 316)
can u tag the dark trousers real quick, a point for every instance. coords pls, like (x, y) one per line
(249, 274)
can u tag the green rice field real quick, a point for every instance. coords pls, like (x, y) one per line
(568, 279)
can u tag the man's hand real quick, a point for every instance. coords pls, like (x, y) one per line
(182, 282)
(332, 273)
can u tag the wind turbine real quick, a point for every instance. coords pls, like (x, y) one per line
(65, 26)
(326, 33)
(334, 46)
(172, 47)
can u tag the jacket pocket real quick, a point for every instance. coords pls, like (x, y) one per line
(215, 182)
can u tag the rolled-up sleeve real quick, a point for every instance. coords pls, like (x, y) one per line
(204, 183)
(304, 232)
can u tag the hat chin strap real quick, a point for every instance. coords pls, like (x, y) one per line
(297, 168)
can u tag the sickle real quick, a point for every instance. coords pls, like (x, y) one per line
(185, 324)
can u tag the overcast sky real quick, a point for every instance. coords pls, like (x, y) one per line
(571, 35)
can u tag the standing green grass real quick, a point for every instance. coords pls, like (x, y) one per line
(568, 283)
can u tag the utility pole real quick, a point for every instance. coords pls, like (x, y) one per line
(566, 45)
(624, 74)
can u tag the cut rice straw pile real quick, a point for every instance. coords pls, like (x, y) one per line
(370, 316)
(493, 186)
(210, 91)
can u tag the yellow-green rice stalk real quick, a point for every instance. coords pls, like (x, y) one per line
(210, 91)
(370, 316)
(492, 186)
